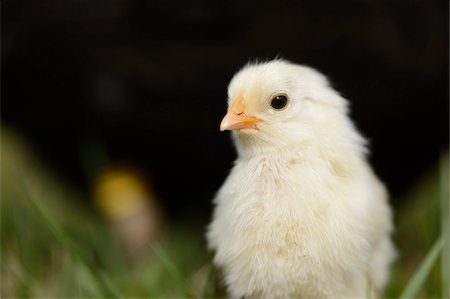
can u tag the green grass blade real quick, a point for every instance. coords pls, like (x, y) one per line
(169, 266)
(165, 260)
(445, 261)
(68, 243)
(421, 274)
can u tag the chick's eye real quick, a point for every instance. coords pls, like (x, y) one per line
(279, 102)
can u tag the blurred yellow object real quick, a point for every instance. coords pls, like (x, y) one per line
(131, 207)
(119, 194)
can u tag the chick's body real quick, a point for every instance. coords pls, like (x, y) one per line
(301, 214)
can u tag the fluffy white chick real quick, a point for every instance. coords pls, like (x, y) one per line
(301, 215)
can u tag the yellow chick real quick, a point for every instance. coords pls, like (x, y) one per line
(302, 214)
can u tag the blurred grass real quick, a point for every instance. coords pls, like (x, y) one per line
(445, 226)
(54, 246)
(419, 228)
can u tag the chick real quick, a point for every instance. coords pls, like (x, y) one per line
(301, 214)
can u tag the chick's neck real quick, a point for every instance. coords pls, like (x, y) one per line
(250, 145)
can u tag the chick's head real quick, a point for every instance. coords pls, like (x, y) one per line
(277, 104)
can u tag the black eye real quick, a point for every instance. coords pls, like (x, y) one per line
(279, 102)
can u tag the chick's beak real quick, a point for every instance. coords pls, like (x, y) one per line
(236, 119)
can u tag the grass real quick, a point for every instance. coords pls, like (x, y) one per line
(52, 245)
(445, 227)
(422, 238)
(417, 281)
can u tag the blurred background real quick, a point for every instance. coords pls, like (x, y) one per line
(110, 148)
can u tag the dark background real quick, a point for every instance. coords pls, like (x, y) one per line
(145, 82)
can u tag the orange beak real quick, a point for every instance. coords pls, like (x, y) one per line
(236, 120)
